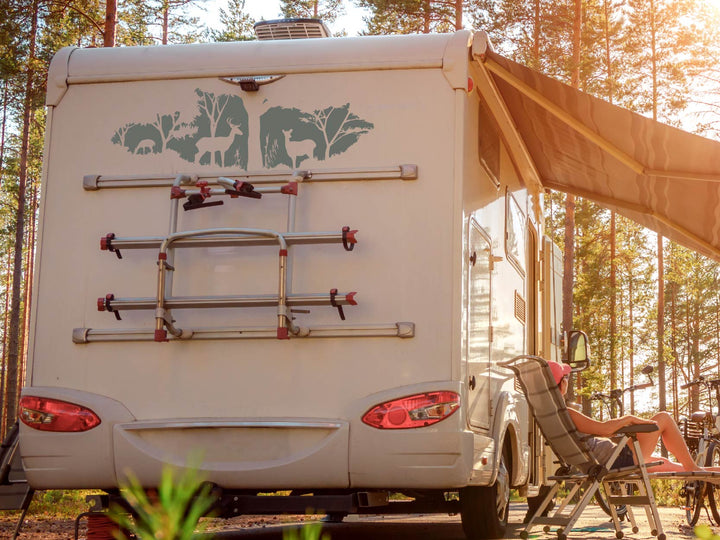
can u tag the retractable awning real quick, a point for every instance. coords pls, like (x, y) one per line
(664, 178)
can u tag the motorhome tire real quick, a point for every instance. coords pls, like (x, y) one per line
(478, 523)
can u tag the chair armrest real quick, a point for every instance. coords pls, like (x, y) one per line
(637, 428)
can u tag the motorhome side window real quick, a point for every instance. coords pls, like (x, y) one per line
(515, 233)
(488, 144)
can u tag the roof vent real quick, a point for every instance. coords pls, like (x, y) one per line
(291, 29)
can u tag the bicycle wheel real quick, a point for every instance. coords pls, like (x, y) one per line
(693, 492)
(713, 491)
(620, 510)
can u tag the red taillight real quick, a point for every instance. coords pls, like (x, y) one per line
(48, 414)
(415, 411)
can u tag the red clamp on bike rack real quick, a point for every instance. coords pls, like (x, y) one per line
(348, 238)
(291, 188)
(243, 189)
(103, 304)
(106, 245)
(176, 192)
(161, 336)
(283, 333)
(197, 200)
(333, 303)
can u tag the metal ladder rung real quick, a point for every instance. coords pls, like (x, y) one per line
(110, 243)
(110, 303)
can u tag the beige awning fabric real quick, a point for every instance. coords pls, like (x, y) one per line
(664, 178)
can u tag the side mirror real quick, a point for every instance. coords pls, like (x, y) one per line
(578, 350)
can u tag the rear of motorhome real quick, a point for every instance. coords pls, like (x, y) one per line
(302, 261)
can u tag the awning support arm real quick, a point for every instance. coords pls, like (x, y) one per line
(563, 116)
(520, 156)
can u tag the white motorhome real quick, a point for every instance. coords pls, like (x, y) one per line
(303, 259)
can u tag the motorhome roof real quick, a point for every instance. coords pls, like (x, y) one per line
(81, 66)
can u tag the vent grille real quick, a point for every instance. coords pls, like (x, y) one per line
(519, 307)
(291, 29)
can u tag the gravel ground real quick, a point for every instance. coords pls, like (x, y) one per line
(38, 528)
(593, 525)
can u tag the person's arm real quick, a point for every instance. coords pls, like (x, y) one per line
(585, 424)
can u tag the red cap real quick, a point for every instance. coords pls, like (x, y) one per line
(559, 370)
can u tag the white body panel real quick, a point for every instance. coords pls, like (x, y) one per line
(269, 413)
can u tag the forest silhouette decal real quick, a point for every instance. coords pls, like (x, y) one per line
(219, 132)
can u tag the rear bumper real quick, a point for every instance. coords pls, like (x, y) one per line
(238, 453)
(245, 453)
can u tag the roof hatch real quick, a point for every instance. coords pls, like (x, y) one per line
(291, 29)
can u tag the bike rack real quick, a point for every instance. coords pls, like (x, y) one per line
(196, 194)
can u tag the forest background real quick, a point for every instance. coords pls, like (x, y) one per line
(642, 300)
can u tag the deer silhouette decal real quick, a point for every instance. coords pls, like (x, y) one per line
(298, 149)
(217, 144)
(145, 146)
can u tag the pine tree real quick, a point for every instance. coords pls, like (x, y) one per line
(237, 24)
(657, 46)
(173, 21)
(326, 10)
(413, 16)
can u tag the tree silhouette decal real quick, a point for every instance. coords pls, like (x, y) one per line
(290, 136)
(339, 127)
(219, 133)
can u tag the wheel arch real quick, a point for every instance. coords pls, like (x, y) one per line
(508, 428)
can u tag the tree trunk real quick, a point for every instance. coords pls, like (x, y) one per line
(110, 23)
(30, 266)
(673, 338)
(14, 360)
(613, 305)
(3, 378)
(608, 59)
(568, 263)
(536, 36)
(427, 14)
(458, 14)
(661, 324)
(4, 126)
(166, 23)
(631, 337)
(576, 48)
(569, 251)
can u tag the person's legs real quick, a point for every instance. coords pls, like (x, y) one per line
(674, 442)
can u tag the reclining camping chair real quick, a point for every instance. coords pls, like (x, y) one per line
(578, 467)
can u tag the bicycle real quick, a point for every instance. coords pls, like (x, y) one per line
(702, 435)
(615, 397)
(614, 402)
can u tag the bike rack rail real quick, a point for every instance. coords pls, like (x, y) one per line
(197, 193)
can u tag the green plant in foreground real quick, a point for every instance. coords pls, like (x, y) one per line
(172, 515)
(703, 532)
(309, 531)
